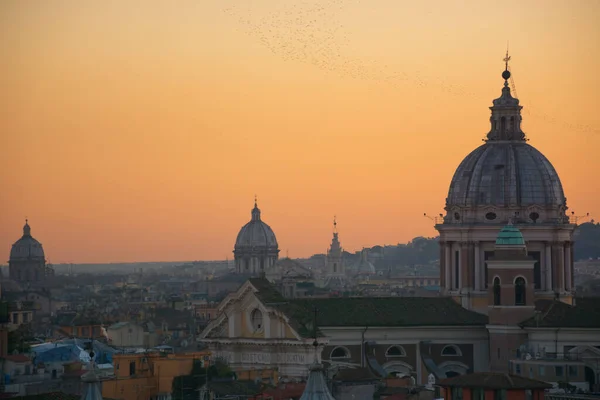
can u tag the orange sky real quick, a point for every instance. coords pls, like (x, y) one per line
(141, 130)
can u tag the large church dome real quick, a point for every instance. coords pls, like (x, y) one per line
(27, 248)
(504, 174)
(256, 234)
(505, 177)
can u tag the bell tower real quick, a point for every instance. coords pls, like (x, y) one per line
(510, 300)
(335, 270)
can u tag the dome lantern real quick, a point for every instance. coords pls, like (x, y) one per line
(506, 113)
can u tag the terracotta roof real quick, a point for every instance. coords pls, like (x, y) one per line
(493, 380)
(18, 358)
(556, 314)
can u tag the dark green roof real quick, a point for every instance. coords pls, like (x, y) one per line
(367, 311)
(510, 235)
(556, 314)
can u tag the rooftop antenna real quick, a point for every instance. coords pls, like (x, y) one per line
(507, 68)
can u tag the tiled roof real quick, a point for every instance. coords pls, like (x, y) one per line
(392, 311)
(493, 380)
(556, 314)
(367, 311)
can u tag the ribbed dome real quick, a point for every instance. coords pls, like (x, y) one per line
(504, 174)
(27, 248)
(256, 234)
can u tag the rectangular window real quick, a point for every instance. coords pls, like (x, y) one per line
(457, 394)
(478, 394)
(542, 371)
(531, 372)
(132, 368)
(573, 370)
(25, 317)
(500, 394)
(518, 369)
(558, 371)
(456, 269)
(15, 318)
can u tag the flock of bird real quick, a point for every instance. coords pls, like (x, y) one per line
(311, 32)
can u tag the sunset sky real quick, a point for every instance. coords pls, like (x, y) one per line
(140, 130)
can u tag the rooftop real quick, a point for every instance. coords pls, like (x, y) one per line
(494, 380)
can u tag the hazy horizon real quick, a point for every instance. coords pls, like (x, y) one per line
(139, 130)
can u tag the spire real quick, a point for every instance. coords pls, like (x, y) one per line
(255, 211)
(91, 382)
(334, 224)
(506, 112)
(316, 386)
(26, 229)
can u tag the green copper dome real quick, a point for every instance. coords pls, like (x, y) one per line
(510, 236)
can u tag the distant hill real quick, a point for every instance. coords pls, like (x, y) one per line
(587, 241)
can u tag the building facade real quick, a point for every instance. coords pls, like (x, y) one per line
(258, 327)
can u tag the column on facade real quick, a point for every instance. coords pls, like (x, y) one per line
(449, 265)
(464, 265)
(477, 267)
(569, 277)
(442, 264)
(561, 268)
(548, 267)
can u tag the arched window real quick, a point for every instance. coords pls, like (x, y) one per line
(503, 124)
(451, 350)
(339, 352)
(497, 298)
(520, 290)
(334, 267)
(257, 319)
(395, 351)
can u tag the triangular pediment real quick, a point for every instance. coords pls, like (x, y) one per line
(245, 315)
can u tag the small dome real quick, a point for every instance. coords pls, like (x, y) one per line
(27, 248)
(256, 234)
(510, 236)
(365, 267)
(504, 174)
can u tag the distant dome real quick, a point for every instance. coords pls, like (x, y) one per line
(365, 267)
(505, 174)
(27, 248)
(256, 234)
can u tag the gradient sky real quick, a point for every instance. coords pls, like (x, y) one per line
(141, 130)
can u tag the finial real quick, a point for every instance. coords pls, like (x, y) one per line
(334, 224)
(255, 201)
(506, 73)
